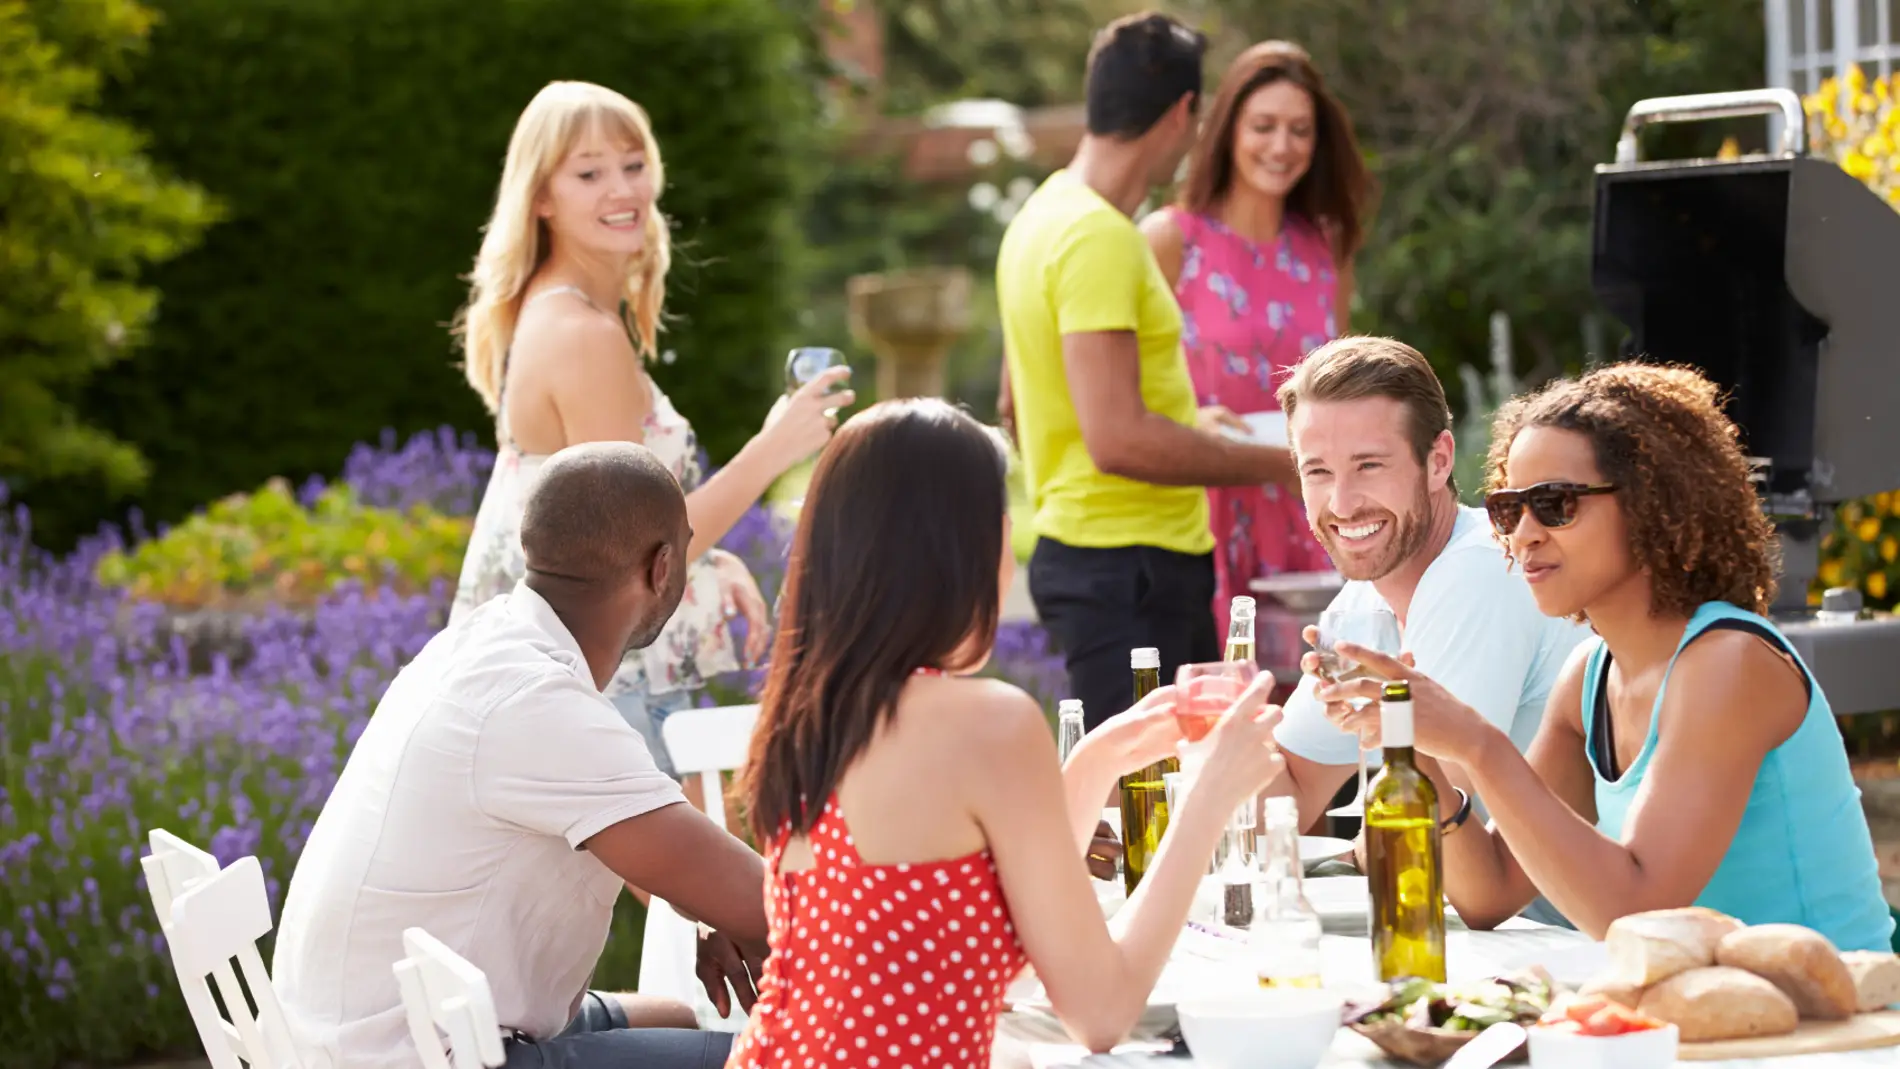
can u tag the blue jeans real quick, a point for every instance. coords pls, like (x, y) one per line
(645, 712)
(598, 1038)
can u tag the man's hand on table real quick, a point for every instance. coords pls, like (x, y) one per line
(722, 961)
(1104, 851)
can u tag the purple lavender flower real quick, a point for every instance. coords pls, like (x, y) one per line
(108, 729)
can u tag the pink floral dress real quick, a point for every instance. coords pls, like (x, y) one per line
(1249, 313)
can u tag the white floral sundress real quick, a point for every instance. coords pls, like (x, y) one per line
(696, 643)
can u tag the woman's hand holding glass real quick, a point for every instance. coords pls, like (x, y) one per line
(802, 421)
(1442, 726)
(1139, 736)
(1241, 757)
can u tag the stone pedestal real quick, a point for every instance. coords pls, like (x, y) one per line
(910, 319)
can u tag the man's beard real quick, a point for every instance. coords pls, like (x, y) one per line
(647, 631)
(1407, 538)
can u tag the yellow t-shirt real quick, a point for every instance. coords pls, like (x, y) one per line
(1072, 263)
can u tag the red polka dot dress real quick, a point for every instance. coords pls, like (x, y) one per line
(879, 966)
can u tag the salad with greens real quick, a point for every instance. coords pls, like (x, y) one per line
(1471, 1006)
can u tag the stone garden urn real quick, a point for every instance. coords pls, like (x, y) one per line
(909, 319)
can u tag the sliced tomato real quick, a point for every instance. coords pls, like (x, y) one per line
(1585, 1008)
(1615, 1019)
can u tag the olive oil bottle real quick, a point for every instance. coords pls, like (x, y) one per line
(1404, 853)
(1144, 793)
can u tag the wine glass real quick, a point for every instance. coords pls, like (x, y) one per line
(802, 365)
(1203, 694)
(1375, 628)
(807, 362)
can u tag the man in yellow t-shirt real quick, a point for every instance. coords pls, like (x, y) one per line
(1103, 409)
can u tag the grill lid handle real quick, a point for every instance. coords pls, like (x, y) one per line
(1699, 106)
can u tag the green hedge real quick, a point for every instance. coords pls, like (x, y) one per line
(357, 145)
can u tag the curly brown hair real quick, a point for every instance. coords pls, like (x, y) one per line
(1661, 437)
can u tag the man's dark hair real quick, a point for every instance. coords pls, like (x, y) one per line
(1138, 67)
(598, 513)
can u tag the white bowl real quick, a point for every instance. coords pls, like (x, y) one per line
(1273, 1028)
(1654, 1048)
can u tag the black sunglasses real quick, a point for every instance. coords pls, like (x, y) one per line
(1551, 504)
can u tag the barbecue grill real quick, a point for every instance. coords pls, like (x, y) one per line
(1773, 274)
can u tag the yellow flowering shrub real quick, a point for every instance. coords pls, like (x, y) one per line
(1860, 136)
(1862, 547)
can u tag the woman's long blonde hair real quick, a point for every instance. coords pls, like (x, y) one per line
(515, 241)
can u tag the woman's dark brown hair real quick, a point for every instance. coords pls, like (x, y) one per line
(893, 568)
(1335, 193)
(1661, 438)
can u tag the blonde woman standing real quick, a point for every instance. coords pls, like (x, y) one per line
(563, 314)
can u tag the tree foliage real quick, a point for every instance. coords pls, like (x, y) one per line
(83, 214)
(358, 145)
(1482, 119)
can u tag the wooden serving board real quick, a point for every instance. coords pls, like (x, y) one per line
(1861, 1032)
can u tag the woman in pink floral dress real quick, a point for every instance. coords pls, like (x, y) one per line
(1259, 249)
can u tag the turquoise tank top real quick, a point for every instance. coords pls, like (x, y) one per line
(1803, 853)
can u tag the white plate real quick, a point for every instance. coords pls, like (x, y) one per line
(1338, 896)
(1263, 428)
(1315, 848)
(1572, 963)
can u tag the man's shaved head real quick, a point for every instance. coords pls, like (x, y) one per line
(605, 531)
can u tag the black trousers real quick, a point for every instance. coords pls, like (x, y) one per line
(1097, 604)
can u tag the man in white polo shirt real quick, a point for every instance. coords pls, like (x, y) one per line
(498, 801)
(1371, 433)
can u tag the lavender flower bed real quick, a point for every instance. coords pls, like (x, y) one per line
(106, 733)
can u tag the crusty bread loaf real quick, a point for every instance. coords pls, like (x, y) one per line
(1876, 979)
(1615, 990)
(1646, 948)
(1720, 1002)
(1800, 961)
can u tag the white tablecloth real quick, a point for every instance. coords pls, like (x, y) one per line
(1209, 964)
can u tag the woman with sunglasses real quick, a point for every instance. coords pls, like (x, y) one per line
(1687, 755)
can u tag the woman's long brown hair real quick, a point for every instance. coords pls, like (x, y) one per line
(893, 568)
(1337, 191)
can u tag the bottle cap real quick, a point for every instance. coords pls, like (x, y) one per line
(1397, 691)
(1144, 657)
(1069, 707)
(1242, 608)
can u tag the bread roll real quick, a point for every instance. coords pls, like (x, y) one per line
(1719, 1002)
(1645, 948)
(1800, 961)
(1616, 991)
(1876, 979)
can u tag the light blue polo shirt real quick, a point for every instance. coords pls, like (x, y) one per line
(1474, 628)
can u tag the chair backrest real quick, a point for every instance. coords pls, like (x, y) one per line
(707, 742)
(215, 921)
(442, 990)
(171, 868)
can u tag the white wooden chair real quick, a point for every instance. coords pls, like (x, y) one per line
(216, 920)
(172, 867)
(442, 990)
(705, 743)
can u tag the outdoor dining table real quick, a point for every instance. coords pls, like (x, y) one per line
(1213, 962)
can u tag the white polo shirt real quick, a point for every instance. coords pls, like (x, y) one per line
(462, 810)
(1473, 627)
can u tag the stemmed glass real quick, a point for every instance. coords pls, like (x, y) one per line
(804, 364)
(1375, 629)
(1203, 694)
(807, 362)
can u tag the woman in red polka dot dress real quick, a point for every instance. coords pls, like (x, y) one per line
(921, 840)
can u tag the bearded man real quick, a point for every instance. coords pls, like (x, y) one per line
(1371, 435)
